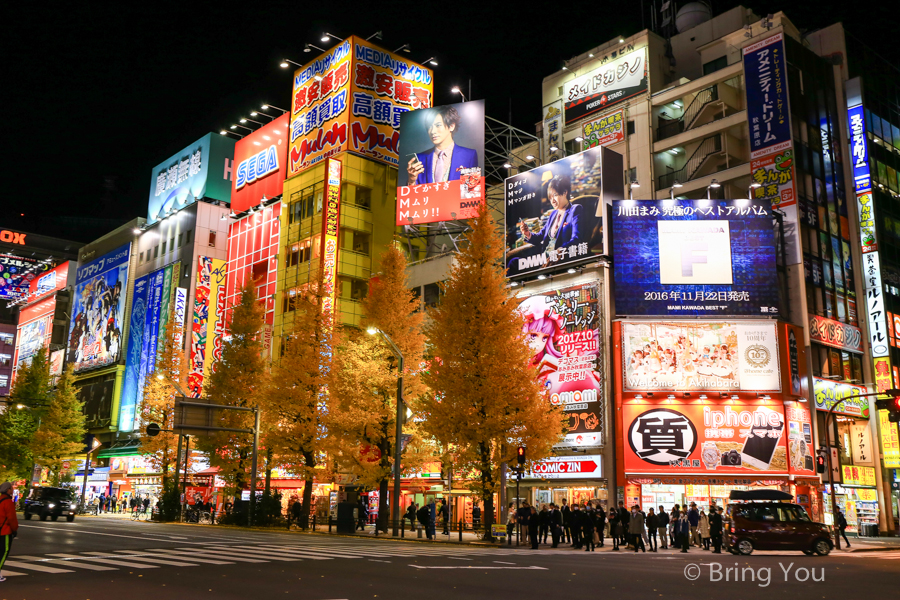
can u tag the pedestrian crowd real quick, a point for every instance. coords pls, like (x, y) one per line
(586, 526)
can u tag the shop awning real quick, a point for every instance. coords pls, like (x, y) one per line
(123, 448)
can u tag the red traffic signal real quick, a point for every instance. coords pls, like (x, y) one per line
(520, 455)
(820, 464)
(892, 405)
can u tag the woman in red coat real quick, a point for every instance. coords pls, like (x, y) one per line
(9, 524)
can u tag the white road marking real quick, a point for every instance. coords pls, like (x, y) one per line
(106, 561)
(531, 568)
(33, 567)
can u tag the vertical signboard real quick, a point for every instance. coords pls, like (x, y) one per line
(563, 329)
(98, 308)
(552, 132)
(890, 441)
(330, 220)
(130, 389)
(442, 175)
(209, 308)
(216, 324)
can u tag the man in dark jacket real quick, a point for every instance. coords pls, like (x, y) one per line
(543, 524)
(556, 524)
(842, 526)
(476, 516)
(566, 518)
(445, 515)
(600, 523)
(587, 527)
(715, 529)
(575, 526)
(694, 519)
(673, 521)
(652, 523)
(423, 515)
(683, 532)
(523, 518)
(625, 520)
(662, 521)
(411, 515)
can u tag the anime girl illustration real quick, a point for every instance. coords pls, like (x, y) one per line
(542, 328)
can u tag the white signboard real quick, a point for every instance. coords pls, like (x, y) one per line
(694, 252)
(567, 467)
(614, 81)
(861, 444)
(875, 308)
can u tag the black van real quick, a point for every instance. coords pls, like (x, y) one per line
(768, 520)
(50, 502)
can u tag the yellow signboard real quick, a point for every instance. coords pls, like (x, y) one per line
(854, 475)
(890, 441)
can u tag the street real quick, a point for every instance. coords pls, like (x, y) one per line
(108, 558)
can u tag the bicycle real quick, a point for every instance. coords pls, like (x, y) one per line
(197, 516)
(140, 514)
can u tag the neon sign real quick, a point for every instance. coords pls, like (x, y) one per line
(257, 167)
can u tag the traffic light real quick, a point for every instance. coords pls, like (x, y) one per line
(892, 405)
(520, 455)
(820, 462)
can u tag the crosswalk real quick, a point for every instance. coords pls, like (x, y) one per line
(884, 555)
(221, 554)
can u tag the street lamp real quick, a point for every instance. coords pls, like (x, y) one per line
(631, 188)
(712, 185)
(268, 106)
(95, 443)
(455, 89)
(675, 185)
(395, 498)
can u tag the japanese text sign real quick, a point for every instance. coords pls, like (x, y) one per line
(201, 170)
(608, 129)
(441, 177)
(260, 160)
(330, 223)
(351, 98)
(854, 475)
(890, 441)
(859, 155)
(768, 112)
(775, 175)
(694, 258)
(827, 393)
(835, 334)
(613, 82)
(17, 273)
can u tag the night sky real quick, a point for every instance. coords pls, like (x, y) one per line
(99, 93)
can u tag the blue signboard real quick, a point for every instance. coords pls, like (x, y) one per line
(687, 258)
(98, 309)
(130, 390)
(862, 177)
(201, 170)
(768, 110)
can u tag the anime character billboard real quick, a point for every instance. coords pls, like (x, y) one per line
(98, 309)
(563, 328)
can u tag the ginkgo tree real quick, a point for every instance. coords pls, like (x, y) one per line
(487, 400)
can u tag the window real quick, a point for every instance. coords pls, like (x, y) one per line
(156, 251)
(363, 197)
(359, 289)
(629, 127)
(792, 513)
(359, 241)
(763, 513)
(714, 65)
(212, 239)
(180, 239)
(5, 360)
(6, 338)
(4, 381)
(293, 256)
(187, 236)
(172, 244)
(164, 248)
(141, 259)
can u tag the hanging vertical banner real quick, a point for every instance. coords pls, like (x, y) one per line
(130, 391)
(180, 309)
(199, 326)
(331, 213)
(768, 112)
(215, 326)
(890, 441)
(552, 136)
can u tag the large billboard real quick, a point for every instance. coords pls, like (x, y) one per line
(562, 327)
(201, 170)
(741, 437)
(828, 392)
(260, 160)
(98, 308)
(609, 84)
(700, 356)
(207, 323)
(441, 177)
(351, 98)
(36, 317)
(694, 258)
(553, 212)
(16, 274)
(602, 131)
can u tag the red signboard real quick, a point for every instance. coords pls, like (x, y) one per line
(260, 164)
(835, 334)
(567, 467)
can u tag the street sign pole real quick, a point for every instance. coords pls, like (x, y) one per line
(253, 466)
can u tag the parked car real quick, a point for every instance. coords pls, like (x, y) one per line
(768, 520)
(50, 502)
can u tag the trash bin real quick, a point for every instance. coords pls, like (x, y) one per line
(346, 517)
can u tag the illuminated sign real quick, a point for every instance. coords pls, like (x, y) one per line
(567, 467)
(875, 307)
(552, 132)
(17, 273)
(331, 213)
(208, 321)
(768, 112)
(351, 98)
(12, 237)
(859, 150)
(435, 185)
(835, 334)
(261, 159)
(611, 83)
(890, 441)
(694, 258)
(853, 475)
(201, 170)
(605, 130)
(827, 393)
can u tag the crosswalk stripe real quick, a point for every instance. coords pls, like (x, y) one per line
(7, 573)
(32, 567)
(193, 558)
(326, 554)
(106, 561)
(290, 552)
(190, 552)
(259, 554)
(62, 561)
(173, 561)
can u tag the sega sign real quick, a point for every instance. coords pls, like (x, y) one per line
(257, 167)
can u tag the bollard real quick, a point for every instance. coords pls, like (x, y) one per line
(419, 532)
(461, 524)
(403, 528)
(329, 523)
(314, 522)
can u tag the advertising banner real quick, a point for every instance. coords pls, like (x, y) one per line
(775, 175)
(567, 467)
(613, 82)
(552, 132)
(875, 306)
(552, 213)
(16, 274)
(563, 329)
(98, 307)
(701, 356)
(768, 111)
(828, 392)
(862, 179)
(800, 439)
(890, 441)
(694, 258)
(442, 175)
(861, 444)
(853, 475)
(207, 322)
(52, 280)
(130, 386)
(201, 170)
(351, 98)
(835, 334)
(602, 131)
(33, 336)
(260, 160)
(867, 231)
(330, 223)
(738, 438)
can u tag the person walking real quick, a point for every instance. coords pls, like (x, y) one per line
(523, 518)
(576, 526)
(673, 523)
(101, 504)
(510, 524)
(663, 521)
(362, 514)
(147, 503)
(533, 523)
(842, 526)
(9, 524)
(556, 525)
(715, 529)
(614, 526)
(476, 516)
(296, 511)
(704, 530)
(445, 516)
(683, 532)
(694, 519)
(636, 528)
(566, 517)
(543, 524)
(652, 523)
(600, 523)
(411, 515)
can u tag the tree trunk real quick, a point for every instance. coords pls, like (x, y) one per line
(310, 460)
(383, 506)
(487, 483)
(268, 486)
